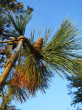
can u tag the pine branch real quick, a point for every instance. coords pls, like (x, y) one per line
(6, 35)
(12, 61)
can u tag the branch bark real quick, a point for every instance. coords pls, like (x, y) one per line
(11, 62)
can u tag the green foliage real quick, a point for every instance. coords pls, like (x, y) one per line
(75, 83)
(12, 26)
(60, 52)
(8, 8)
(18, 94)
(17, 25)
(12, 5)
(6, 102)
(75, 87)
(36, 71)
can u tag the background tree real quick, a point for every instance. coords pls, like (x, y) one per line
(76, 82)
(75, 85)
(11, 5)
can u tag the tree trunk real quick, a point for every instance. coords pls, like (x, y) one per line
(11, 62)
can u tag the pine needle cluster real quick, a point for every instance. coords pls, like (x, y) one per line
(60, 53)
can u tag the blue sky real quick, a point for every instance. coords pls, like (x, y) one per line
(51, 13)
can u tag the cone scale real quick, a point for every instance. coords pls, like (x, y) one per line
(38, 45)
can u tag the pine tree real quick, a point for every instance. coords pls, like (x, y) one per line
(32, 63)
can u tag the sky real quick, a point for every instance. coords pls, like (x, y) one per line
(50, 13)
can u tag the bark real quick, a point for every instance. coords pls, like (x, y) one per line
(11, 62)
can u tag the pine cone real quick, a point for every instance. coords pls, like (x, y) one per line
(38, 45)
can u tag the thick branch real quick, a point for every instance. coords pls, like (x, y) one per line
(5, 41)
(12, 40)
(11, 62)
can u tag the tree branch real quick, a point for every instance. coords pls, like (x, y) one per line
(6, 35)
